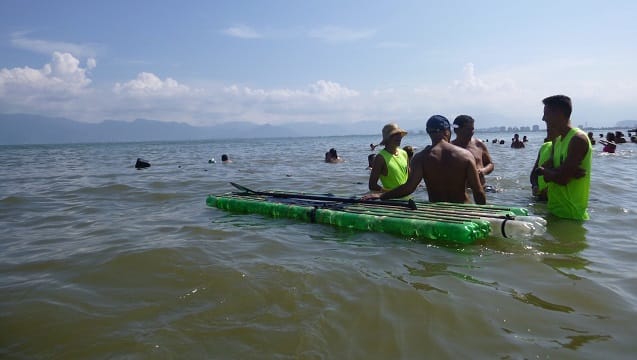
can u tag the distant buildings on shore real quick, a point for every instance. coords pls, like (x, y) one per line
(512, 129)
(536, 128)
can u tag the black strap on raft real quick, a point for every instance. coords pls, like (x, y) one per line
(506, 218)
(410, 204)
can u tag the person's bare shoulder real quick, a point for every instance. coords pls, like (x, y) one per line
(579, 143)
(419, 156)
(464, 154)
(580, 135)
(479, 144)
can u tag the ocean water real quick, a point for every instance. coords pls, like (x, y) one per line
(99, 260)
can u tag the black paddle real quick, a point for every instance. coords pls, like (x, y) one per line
(409, 204)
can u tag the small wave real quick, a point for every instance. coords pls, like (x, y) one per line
(13, 200)
(105, 189)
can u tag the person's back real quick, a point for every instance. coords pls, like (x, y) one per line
(446, 168)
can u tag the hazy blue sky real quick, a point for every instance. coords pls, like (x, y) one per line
(206, 62)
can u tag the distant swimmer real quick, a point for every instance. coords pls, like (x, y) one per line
(591, 137)
(372, 147)
(225, 159)
(391, 165)
(446, 169)
(524, 139)
(619, 137)
(464, 127)
(609, 143)
(516, 143)
(332, 157)
(568, 171)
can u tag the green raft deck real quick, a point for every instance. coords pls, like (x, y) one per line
(459, 223)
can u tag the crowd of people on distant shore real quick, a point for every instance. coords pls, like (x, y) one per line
(561, 173)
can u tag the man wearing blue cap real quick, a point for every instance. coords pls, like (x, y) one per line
(446, 169)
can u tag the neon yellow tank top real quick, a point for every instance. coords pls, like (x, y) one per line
(571, 200)
(545, 154)
(397, 166)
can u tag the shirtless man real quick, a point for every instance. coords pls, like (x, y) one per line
(464, 128)
(446, 169)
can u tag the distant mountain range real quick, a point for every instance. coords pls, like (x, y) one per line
(18, 129)
(34, 129)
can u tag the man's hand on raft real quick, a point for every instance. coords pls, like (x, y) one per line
(372, 196)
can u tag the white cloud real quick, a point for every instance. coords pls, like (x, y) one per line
(64, 88)
(149, 84)
(63, 76)
(470, 81)
(20, 40)
(340, 34)
(242, 31)
(322, 90)
(328, 90)
(91, 63)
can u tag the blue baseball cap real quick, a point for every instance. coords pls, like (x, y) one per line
(437, 123)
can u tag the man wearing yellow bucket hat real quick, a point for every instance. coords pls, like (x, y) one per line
(391, 165)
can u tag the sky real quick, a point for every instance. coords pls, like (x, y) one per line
(278, 62)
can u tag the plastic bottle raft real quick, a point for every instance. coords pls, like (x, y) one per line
(459, 223)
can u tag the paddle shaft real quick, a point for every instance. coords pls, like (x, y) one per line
(409, 205)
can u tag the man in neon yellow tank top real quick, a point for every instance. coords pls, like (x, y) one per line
(568, 171)
(391, 164)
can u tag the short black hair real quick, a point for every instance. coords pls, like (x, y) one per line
(462, 120)
(561, 102)
(224, 157)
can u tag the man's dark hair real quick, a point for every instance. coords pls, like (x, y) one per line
(462, 120)
(224, 157)
(561, 102)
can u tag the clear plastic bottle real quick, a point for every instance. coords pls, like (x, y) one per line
(511, 229)
(538, 222)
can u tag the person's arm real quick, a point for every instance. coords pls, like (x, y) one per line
(533, 178)
(377, 168)
(487, 164)
(570, 169)
(473, 181)
(415, 176)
